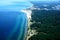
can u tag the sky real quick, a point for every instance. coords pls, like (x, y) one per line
(16, 4)
(44, 0)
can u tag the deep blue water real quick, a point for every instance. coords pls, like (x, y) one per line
(12, 25)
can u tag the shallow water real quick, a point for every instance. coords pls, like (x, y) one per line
(12, 25)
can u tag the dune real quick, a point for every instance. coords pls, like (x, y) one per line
(28, 12)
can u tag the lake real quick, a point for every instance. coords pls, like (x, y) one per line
(13, 22)
(12, 25)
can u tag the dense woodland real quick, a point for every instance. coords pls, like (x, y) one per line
(46, 23)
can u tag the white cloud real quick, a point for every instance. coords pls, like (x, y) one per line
(45, 5)
(58, 7)
(45, 9)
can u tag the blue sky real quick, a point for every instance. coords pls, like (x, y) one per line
(44, 0)
(16, 4)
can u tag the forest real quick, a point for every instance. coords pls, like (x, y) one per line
(46, 23)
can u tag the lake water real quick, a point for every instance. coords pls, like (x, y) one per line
(16, 6)
(12, 25)
(13, 22)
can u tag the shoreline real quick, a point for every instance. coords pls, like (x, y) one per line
(28, 14)
(29, 31)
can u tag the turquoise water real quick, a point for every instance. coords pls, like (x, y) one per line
(13, 22)
(15, 6)
(12, 25)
